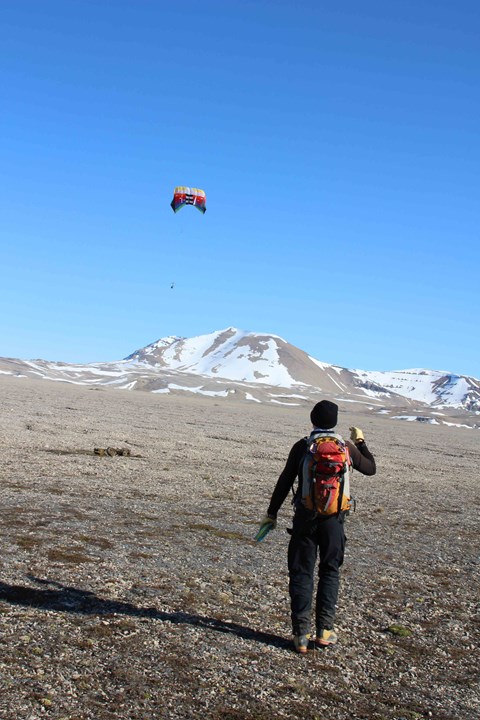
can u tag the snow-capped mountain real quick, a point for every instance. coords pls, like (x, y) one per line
(433, 387)
(269, 359)
(263, 368)
(237, 355)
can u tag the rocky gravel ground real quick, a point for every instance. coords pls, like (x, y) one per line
(130, 587)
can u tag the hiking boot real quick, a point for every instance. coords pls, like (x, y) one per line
(325, 637)
(300, 643)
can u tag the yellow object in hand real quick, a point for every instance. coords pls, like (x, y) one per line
(356, 435)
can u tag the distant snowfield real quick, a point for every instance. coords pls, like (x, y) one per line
(198, 390)
(429, 421)
(414, 418)
(293, 395)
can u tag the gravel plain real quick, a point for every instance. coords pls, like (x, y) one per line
(131, 588)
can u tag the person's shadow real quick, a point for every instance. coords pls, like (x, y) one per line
(52, 595)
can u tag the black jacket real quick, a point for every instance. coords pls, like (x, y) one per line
(362, 460)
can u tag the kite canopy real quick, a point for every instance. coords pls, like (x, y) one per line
(189, 196)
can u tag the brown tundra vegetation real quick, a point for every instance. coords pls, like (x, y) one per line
(130, 587)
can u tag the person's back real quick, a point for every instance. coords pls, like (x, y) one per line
(314, 532)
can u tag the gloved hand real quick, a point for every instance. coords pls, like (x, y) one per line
(356, 435)
(268, 523)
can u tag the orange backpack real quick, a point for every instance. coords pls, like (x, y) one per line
(325, 474)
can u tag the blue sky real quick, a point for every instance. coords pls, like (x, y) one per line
(338, 144)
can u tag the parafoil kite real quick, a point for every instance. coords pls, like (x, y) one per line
(189, 196)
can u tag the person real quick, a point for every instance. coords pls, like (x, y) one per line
(313, 534)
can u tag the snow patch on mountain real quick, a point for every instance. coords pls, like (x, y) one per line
(320, 364)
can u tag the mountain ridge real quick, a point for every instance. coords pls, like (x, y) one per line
(262, 367)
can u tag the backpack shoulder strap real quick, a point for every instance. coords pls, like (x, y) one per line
(299, 470)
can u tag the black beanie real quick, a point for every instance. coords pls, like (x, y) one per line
(324, 415)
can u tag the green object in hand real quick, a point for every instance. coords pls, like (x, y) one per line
(268, 523)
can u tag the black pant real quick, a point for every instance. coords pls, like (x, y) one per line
(309, 536)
